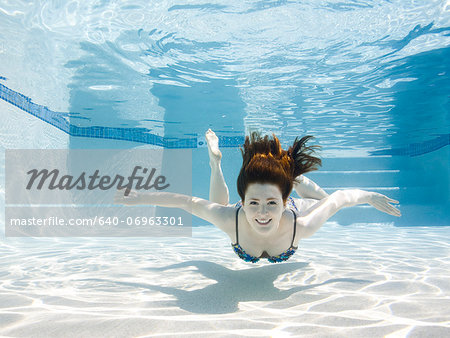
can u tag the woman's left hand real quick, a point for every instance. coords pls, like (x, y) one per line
(383, 203)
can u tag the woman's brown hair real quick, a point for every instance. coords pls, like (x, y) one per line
(265, 161)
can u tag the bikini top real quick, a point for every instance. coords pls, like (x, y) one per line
(284, 256)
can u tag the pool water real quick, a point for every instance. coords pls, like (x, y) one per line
(369, 79)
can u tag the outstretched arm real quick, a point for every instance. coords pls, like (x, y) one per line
(318, 214)
(217, 214)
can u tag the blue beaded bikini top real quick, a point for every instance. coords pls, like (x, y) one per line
(284, 256)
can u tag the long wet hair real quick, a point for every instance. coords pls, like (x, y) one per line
(265, 161)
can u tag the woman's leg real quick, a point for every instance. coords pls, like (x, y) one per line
(218, 190)
(308, 189)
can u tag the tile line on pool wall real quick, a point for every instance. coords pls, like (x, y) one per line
(61, 121)
(416, 149)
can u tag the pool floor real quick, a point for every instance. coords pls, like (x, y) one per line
(352, 281)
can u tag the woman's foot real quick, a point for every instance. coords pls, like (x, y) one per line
(212, 140)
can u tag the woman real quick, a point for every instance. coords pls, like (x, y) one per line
(267, 222)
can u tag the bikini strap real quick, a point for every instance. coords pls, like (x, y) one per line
(295, 227)
(237, 230)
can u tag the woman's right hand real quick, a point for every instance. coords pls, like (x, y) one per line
(133, 198)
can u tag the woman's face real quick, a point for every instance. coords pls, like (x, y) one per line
(263, 206)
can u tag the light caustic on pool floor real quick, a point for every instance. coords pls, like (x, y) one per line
(346, 281)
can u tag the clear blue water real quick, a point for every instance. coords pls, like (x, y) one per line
(369, 79)
(362, 75)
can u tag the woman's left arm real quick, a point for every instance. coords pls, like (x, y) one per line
(317, 215)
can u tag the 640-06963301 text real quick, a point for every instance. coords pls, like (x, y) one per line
(98, 221)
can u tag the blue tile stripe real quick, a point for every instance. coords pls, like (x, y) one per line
(416, 149)
(141, 135)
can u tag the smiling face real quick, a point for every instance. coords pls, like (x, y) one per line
(263, 207)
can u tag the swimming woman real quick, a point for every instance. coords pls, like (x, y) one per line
(267, 222)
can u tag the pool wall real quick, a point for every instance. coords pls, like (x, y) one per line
(418, 175)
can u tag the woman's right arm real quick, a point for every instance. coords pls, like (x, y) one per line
(221, 216)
